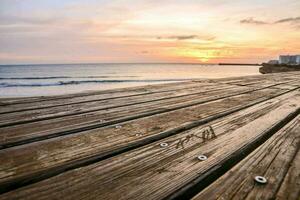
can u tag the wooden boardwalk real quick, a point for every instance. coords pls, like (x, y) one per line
(203, 139)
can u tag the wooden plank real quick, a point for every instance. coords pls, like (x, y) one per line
(47, 158)
(24, 100)
(86, 107)
(106, 116)
(271, 160)
(270, 77)
(61, 101)
(153, 172)
(290, 187)
(38, 102)
(286, 86)
(135, 90)
(13, 135)
(91, 106)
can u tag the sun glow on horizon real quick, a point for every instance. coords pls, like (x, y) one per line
(146, 31)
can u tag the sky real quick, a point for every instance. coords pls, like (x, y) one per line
(147, 31)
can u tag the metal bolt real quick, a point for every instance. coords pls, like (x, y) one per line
(260, 179)
(202, 157)
(164, 144)
(118, 126)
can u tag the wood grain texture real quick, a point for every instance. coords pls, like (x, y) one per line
(106, 145)
(93, 106)
(14, 135)
(290, 187)
(100, 143)
(102, 96)
(143, 89)
(73, 97)
(21, 104)
(152, 172)
(104, 141)
(271, 160)
(13, 118)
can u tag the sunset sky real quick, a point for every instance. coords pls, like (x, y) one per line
(122, 31)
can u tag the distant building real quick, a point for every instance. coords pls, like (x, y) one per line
(273, 62)
(298, 59)
(289, 59)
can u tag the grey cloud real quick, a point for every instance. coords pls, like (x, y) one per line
(291, 19)
(253, 21)
(144, 52)
(171, 37)
(186, 37)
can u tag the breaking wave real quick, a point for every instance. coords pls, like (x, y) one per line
(61, 77)
(62, 83)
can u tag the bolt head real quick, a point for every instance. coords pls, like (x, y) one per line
(202, 157)
(164, 144)
(260, 179)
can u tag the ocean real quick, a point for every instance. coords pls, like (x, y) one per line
(43, 80)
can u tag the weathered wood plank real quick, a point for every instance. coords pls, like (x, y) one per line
(13, 135)
(153, 172)
(271, 160)
(87, 107)
(10, 137)
(91, 106)
(290, 187)
(287, 86)
(105, 116)
(52, 156)
(38, 102)
(134, 90)
(44, 99)
(100, 97)
(270, 77)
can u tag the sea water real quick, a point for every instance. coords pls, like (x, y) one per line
(42, 80)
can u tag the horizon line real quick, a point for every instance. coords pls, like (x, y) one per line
(94, 63)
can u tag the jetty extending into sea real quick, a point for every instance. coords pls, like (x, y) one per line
(231, 138)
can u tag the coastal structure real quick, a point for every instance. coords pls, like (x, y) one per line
(289, 59)
(230, 138)
(285, 63)
(273, 62)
